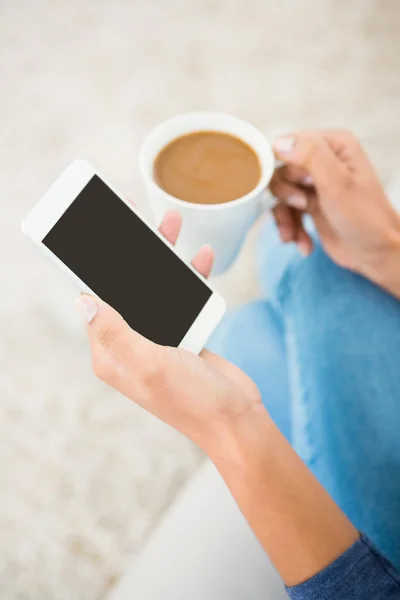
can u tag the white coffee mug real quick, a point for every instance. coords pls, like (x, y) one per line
(225, 225)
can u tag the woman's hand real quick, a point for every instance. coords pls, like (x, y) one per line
(328, 175)
(198, 395)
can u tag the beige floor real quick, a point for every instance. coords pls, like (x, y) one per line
(84, 476)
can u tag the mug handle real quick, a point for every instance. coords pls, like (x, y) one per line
(267, 202)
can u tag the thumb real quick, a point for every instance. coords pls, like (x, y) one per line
(110, 335)
(313, 153)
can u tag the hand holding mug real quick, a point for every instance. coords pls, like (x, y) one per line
(328, 175)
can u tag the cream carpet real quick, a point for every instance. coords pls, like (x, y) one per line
(84, 475)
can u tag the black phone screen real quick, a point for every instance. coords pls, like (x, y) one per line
(121, 259)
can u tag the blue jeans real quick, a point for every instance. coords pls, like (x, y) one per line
(324, 350)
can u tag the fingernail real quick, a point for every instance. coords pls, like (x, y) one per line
(88, 307)
(303, 248)
(297, 201)
(308, 180)
(286, 234)
(284, 144)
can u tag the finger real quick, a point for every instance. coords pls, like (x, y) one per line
(313, 153)
(203, 261)
(299, 197)
(288, 193)
(286, 223)
(291, 229)
(345, 145)
(110, 337)
(304, 242)
(301, 237)
(171, 226)
(296, 175)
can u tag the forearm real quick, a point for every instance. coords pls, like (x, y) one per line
(298, 524)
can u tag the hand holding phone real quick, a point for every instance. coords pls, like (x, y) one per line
(197, 395)
(201, 396)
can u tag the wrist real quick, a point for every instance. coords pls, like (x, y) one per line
(384, 271)
(238, 439)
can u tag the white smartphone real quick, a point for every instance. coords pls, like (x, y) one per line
(96, 237)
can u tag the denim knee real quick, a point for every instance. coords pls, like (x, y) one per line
(274, 259)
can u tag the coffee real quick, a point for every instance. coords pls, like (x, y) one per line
(207, 167)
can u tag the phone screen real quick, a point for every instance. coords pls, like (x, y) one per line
(121, 259)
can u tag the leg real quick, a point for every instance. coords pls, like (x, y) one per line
(252, 337)
(342, 341)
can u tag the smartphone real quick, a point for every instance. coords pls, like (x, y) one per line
(110, 251)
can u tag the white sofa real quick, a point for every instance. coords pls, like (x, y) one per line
(202, 550)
